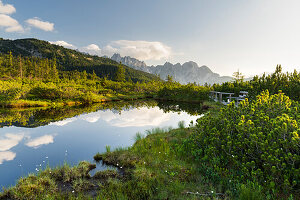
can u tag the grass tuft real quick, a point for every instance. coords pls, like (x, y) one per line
(138, 136)
(107, 148)
(181, 124)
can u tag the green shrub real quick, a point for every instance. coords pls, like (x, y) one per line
(256, 141)
(189, 92)
(49, 93)
(89, 98)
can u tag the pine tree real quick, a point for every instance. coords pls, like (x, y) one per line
(94, 76)
(170, 79)
(120, 74)
(238, 77)
(84, 75)
(54, 72)
(20, 67)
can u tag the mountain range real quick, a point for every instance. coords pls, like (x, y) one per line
(189, 72)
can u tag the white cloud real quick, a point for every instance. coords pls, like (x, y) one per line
(91, 49)
(7, 156)
(43, 140)
(7, 8)
(92, 117)
(43, 25)
(135, 117)
(140, 117)
(142, 50)
(10, 24)
(63, 122)
(64, 44)
(109, 50)
(10, 140)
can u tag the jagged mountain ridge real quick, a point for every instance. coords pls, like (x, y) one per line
(189, 72)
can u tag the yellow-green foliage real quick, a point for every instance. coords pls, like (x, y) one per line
(189, 92)
(257, 141)
(289, 83)
(92, 91)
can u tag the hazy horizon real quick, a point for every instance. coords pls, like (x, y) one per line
(249, 36)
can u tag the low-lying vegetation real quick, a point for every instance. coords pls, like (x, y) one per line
(255, 143)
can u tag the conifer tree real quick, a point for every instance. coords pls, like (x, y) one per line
(94, 76)
(238, 77)
(170, 78)
(120, 74)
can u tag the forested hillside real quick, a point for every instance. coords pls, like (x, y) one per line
(68, 59)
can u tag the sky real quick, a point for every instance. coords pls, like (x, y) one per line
(249, 36)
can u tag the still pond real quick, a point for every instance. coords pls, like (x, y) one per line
(31, 139)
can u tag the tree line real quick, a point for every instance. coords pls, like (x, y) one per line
(288, 83)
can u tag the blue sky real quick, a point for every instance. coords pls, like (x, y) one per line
(252, 36)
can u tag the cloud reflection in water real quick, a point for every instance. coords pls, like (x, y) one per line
(7, 156)
(10, 140)
(136, 117)
(39, 141)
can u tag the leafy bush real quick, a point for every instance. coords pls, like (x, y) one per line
(289, 83)
(257, 141)
(11, 90)
(45, 93)
(89, 98)
(187, 92)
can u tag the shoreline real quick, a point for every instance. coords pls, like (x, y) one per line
(40, 103)
(46, 104)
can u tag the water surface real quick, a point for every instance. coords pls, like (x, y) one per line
(31, 139)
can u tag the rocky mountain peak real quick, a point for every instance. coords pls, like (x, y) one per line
(129, 61)
(189, 72)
